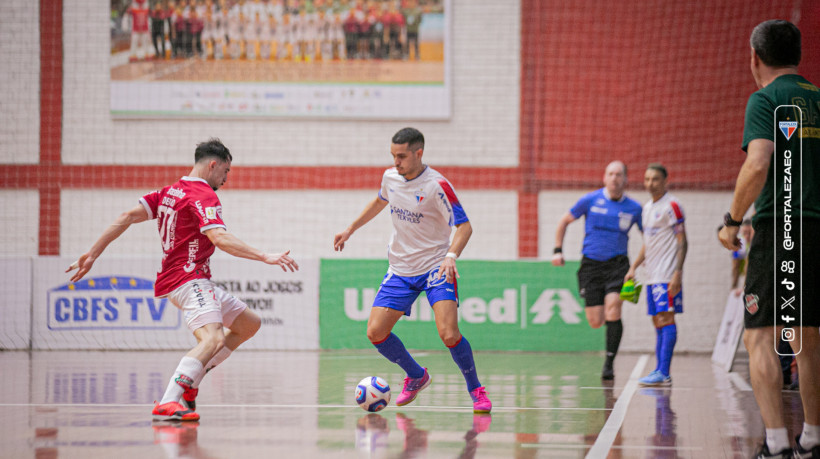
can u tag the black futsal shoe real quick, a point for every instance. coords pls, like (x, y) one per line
(763, 452)
(813, 453)
(607, 374)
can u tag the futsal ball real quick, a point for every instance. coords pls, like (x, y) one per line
(372, 393)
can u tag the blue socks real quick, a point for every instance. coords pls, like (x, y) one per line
(463, 356)
(393, 349)
(669, 336)
(658, 347)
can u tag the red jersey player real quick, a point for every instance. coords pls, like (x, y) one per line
(139, 29)
(189, 219)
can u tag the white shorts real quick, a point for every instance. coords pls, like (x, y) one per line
(204, 303)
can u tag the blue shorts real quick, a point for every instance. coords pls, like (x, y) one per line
(657, 300)
(399, 293)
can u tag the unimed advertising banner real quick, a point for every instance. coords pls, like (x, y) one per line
(113, 306)
(529, 306)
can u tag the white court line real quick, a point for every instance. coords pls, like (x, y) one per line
(670, 388)
(621, 447)
(616, 418)
(739, 382)
(261, 405)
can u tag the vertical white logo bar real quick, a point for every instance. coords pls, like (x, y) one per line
(788, 226)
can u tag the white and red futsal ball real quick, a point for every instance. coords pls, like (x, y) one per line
(372, 393)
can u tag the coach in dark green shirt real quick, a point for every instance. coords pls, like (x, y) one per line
(782, 123)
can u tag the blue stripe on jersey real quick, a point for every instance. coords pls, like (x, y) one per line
(458, 211)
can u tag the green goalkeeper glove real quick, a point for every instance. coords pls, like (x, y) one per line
(631, 291)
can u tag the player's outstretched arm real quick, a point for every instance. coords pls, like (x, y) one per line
(370, 211)
(558, 257)
(231, 244)
(448, 265)
(86, 261)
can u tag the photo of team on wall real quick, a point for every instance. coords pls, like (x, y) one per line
(282, 30)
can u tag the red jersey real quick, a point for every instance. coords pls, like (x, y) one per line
(139, 17)
(184, 211)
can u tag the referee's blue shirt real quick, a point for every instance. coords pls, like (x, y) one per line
(607, 223)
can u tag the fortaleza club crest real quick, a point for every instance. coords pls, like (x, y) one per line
(751, 304)
(420, 196)
(788, 128)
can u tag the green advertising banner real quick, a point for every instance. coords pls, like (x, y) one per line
(504, 305)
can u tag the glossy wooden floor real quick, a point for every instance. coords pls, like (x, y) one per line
(300, 405)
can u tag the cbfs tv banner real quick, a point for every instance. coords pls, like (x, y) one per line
(515, 305)
(113, 306)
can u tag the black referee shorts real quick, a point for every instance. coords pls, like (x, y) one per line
(597, 278)
(759, 292)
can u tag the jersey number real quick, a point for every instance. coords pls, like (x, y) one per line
(167, 225)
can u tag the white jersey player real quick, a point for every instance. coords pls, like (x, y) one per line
(284, 37)
(267, 32)
(424, 209)
(663, 253)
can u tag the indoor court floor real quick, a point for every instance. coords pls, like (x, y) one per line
(299, 404)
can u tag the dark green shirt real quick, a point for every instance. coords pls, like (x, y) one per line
(412, 18)
(760, 123)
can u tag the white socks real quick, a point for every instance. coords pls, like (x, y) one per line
(188, 371)
(220, 357)
(777, 440)
(810, 437)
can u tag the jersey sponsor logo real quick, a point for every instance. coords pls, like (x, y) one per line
(751, 303)
(788, 128)
(193, 249)
(445, 202)
(201, 211)
(109, 303)
(406, 215)
(420, 196)
(176, 192)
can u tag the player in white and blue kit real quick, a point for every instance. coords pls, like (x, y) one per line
(609, 215)
(662, 254)
(424, 208)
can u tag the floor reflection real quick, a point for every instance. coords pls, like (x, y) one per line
(373, 430)
(665, 439)
(178, 439)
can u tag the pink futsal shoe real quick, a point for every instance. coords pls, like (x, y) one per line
(412, 387)
(189, 398)
(481, 404)
(173, 411)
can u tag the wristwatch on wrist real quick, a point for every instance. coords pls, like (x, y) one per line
(727, 220)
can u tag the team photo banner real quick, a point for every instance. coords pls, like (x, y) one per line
(268, 58)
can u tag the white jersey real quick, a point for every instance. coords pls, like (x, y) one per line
(423, 210)
(662, 221)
